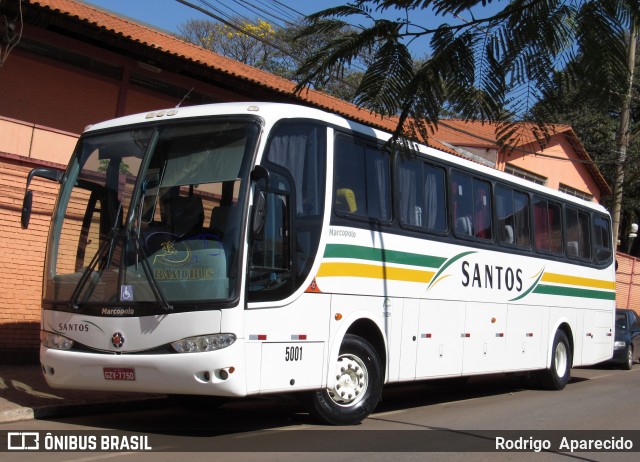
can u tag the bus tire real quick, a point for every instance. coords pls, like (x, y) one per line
(358, 385)
(628, 365)
(558, 375)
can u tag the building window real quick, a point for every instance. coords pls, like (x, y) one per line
(521, 173)
(575, 192)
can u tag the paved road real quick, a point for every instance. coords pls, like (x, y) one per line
(596, 399)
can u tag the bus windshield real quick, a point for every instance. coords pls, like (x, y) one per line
(152, 215)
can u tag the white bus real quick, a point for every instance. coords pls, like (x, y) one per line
(256, 248)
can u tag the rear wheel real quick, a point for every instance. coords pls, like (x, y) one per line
(558, 375)
(357, 387)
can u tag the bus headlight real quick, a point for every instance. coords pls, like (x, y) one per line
(203, 343)
(55, 341)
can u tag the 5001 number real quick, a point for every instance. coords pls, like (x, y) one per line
(293, 353)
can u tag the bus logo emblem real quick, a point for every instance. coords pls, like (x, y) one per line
(117, 340)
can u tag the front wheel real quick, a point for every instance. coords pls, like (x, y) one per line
(357, 387)
(558, 375)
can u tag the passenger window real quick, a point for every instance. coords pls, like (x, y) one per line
(512, 209)
(362, 183)
(547, 225)
(602, 239)
(422, 195)
(471, 206)
(578, 234)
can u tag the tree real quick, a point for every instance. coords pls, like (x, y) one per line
(493, 66)
(248, 43)
(264, 46)
(593, 111)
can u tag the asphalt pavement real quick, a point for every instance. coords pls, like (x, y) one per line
(25, 395)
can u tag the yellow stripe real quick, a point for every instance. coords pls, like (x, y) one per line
(372, 271)
(578, 281)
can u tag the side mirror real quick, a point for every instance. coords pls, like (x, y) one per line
(27, 202)
(259, 214)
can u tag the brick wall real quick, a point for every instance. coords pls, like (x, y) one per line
(69, 100)
(628, 282)
(21, 255)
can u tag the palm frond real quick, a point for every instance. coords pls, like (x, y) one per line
(385, 80)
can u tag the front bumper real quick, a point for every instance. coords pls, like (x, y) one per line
(215, 373)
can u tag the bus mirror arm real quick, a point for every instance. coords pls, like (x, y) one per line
(27, 202)
(260, 173)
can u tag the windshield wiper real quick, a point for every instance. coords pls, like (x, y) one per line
(157, 293)
(104, 249)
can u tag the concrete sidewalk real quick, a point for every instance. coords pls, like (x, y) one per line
(25, 395)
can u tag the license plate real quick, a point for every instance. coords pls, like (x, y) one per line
(119, 373)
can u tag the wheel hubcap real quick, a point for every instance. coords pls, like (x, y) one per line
(561, 359)
(352, 380)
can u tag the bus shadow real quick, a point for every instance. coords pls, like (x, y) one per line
(207, 418)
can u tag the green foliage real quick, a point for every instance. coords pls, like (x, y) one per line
(492, 66)
(276, 50)
(593, 111)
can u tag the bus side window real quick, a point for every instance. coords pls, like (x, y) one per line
(577, 233)
(504, 210)
(462, 204)
(512, 212)
(521, 213)
(471, 206)
(548, 225)
(602, 239)
(482, 209)
(362, 180)
(422, 195)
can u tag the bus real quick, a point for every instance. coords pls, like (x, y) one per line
(244, 249)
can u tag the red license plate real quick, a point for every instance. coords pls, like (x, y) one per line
(119, 373)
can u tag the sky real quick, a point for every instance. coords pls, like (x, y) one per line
(169, 14)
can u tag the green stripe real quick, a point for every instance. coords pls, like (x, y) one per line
(530, 289)
(573, 292)
(381, 255)
(446, 265)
